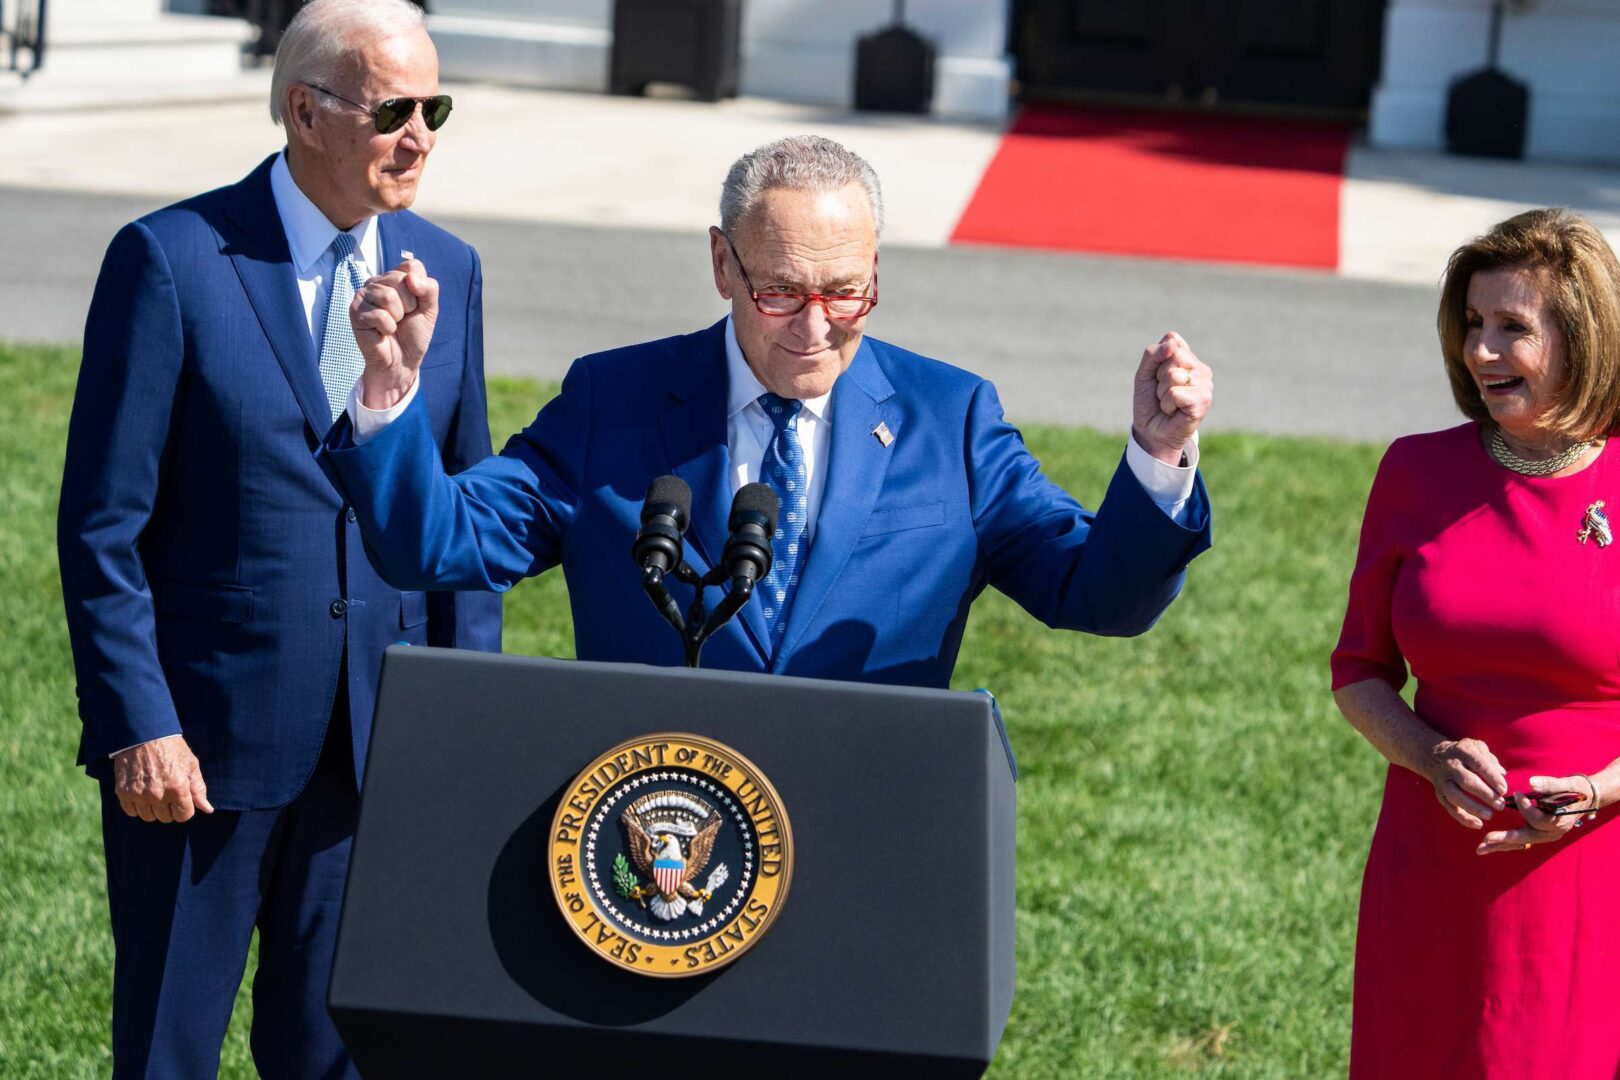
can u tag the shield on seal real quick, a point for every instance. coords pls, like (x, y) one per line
(669, 868)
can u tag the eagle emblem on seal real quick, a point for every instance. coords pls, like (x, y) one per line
(671, 839)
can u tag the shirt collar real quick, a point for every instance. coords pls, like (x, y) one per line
(309, 232)
(746, 387)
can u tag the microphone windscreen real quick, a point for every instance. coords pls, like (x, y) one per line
(754, 500)
(668, 491)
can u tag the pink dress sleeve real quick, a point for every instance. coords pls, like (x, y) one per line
(1367, 647)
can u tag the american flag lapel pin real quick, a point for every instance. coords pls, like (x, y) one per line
(883, 434)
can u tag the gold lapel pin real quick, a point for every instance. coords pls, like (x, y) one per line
(884, 435)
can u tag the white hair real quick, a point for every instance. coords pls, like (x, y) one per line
(797, 163)
(314, 45)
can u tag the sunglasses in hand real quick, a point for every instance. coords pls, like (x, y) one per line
(1555, 803)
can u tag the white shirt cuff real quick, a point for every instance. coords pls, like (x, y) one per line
(368, 422)
(160, 738)
(1169, 486)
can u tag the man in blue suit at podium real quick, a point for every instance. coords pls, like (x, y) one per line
(227, 628)
(904, 491)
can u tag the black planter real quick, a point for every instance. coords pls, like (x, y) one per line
(894, 71)
(1486, 114)
(692, 43)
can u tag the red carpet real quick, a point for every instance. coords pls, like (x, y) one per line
(1175, 185)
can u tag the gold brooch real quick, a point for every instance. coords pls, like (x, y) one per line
(1595, 526)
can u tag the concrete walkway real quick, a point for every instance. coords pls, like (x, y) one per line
(1295, 353)
(588, 159)
(577, 200)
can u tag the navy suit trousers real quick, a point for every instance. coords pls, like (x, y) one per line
(185, 901)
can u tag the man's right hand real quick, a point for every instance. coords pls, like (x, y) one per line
(160, 781)
(393, 316)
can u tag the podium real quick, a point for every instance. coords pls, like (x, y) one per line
(891, 952)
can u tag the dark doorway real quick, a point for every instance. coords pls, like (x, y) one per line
(1319, 55)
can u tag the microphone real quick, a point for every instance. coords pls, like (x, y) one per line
(665, 514)
(747, 555)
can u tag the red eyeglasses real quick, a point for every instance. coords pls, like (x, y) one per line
(839, 306)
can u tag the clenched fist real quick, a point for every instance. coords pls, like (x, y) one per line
(1173, 392)
(393, 316)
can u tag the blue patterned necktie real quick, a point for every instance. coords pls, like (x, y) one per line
(783, 470)
(341, 362)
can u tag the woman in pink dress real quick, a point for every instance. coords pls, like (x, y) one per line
(1489, 933)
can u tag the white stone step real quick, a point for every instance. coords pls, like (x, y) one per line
(592, 13)
(47, 92)
(173, 48)
(110, 32)
(61, 12)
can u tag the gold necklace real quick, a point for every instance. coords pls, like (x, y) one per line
(1526, 467)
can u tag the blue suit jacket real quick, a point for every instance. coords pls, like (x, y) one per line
(214, 579)
(908, 534)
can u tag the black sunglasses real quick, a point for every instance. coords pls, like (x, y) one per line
(396, 112)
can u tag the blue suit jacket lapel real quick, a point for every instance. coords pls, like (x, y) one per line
(694, 434)
(856, 465)
(259, 253)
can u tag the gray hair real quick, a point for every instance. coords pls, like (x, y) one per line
(797, 163)
(315, 43)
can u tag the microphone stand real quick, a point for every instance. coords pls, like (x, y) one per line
(698, 625)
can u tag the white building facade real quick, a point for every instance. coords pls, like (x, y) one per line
(793, 50)
(1394, 58)
(1567, 51)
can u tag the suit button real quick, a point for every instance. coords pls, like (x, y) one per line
(352, 514)
(338, 608)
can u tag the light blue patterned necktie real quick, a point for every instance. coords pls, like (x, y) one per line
(783, 470)
(341, 362)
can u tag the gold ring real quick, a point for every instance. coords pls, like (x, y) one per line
(1527, 845)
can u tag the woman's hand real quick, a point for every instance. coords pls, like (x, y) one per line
(1541, 827)
(1468, 780)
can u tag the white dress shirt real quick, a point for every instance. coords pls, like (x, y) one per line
(309, 238)
(748, 433)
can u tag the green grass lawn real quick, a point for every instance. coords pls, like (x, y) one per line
(1193, 814)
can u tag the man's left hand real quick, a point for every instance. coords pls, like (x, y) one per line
(1173, 391)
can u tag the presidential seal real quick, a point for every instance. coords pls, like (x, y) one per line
(670, 855)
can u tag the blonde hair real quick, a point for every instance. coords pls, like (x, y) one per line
(315, 43)
(1579, 280)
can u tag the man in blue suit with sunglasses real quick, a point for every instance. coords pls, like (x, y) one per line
(903, 490)
(227, 628)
